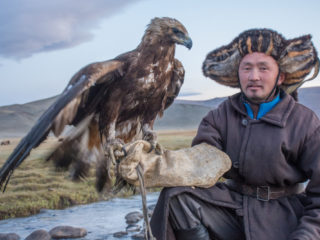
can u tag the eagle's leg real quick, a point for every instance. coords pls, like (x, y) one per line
(151, 137)
(113, 149)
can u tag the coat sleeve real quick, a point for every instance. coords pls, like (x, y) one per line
(209, 130)
(309, 224)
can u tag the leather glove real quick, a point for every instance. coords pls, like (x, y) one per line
(201, 165)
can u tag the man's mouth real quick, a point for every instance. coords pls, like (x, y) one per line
(253, 87)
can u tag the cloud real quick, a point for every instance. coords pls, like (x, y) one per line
(33, 26)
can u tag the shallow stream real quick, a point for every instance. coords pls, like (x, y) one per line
(100, 219)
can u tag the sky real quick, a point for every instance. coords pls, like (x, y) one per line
(43, 43)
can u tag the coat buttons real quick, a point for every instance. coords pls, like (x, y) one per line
(235, 164)
(244, 122)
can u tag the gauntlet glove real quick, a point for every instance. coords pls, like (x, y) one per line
(201, 165)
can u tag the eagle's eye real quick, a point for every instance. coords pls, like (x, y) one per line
(177, 31)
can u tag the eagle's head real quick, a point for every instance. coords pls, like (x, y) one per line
(168, 30)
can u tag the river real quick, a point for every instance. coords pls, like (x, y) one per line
(100, 219)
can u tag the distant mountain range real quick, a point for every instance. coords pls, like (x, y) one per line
(17, 119)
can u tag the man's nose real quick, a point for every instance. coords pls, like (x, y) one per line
(254, 74)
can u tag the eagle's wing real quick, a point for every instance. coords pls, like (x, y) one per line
(63, 112)
(176, 82)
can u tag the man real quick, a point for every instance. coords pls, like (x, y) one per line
(272, 141)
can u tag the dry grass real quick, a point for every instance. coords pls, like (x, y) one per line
(35, 184)
(176, 139)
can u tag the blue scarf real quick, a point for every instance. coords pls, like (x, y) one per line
(264, 108)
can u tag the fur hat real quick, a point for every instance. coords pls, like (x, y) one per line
(296, 57)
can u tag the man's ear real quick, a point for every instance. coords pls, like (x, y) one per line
(281, 79)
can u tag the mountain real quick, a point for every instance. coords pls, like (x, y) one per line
(310, 97)
(17, 119)
(186, 114)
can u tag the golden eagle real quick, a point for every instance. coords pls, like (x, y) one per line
(110, 103)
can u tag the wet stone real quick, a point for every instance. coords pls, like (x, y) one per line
(9, 236)
(138, 236)
(39, 235)
(120, 234)
(133, 228)
(133, 217)
(67, 232)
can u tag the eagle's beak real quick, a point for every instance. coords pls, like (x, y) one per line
(187, 42)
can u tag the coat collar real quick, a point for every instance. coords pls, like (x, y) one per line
(278, 115)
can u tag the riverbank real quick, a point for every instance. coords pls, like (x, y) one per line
(36, 185)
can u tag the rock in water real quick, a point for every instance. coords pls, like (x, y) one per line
(67, 232)
(138, 236)
(39, 235)
(133, 228)
(120, 234)
(133, 217)
(9, 236)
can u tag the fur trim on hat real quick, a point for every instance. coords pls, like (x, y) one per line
(296, 57)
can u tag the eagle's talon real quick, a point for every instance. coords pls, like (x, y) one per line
(111, 155)
(115, 150)
(158, 149)
(124, 151)
(151, 148)
(151, 137)
(121, 155)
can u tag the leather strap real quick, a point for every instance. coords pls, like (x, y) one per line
(264, 193)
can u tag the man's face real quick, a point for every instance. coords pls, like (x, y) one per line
(257, 74)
